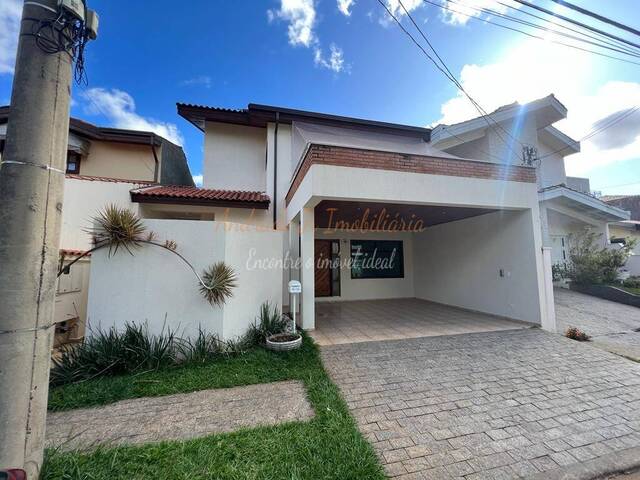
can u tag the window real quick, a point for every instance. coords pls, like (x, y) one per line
(377, 259)
(73, 162)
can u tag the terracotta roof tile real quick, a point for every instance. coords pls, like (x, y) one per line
(194, 195)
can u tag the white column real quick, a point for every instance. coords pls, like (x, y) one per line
(549, 317)
(307, 234)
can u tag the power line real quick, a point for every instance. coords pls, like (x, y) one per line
(575, 22)
(595, 41)
(595, 36)
(530, 34)
(598, 130)
(597, 16)
(448, 74)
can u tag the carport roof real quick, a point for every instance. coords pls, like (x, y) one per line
(583, 203)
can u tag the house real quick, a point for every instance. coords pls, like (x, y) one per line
(103, 165)
(621, 230)
(567, 206)
(468, 216)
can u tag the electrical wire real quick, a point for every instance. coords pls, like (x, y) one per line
(447, 73)
(530, 34)
(594, 41)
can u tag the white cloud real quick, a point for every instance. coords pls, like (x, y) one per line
(335, 62)
(10, 13)
(461, 11)
(345, 6)
(301, 15)
(397, 11)
(200, 80)
(534, 69)
(120, 109)
(197, 179)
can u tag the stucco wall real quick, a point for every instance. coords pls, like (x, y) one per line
(551, 170)
(119, 160)
(371, 288)
(83, 199)
(234, 157)
(458, 263)
(155, 286)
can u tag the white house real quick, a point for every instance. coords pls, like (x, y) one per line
(470, 216)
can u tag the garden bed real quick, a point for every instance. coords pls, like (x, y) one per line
(608, 292)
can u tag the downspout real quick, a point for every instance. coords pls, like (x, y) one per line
(275, 173)
(155, 159)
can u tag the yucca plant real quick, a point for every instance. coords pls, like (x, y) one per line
(118, 227)
(269, 322)
(217, 283)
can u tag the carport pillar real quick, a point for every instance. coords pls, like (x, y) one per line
(549, 317)
(307, 271)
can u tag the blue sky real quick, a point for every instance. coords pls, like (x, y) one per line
(310, 54)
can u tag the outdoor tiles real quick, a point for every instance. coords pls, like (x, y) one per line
(501, 405)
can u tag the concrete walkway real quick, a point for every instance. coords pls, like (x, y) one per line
(179, 417)
(501, 405)
(612, 325)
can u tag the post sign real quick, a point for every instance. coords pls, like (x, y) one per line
(295, 286)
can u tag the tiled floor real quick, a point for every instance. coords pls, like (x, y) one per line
(396, 319)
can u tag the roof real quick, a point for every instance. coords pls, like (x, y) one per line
(548, 111)
(107, 134)
(626, 202)
(257, 115)
(184, 195)
(91, 178)
(583, 202)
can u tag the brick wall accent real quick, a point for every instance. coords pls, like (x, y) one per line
(360, 158)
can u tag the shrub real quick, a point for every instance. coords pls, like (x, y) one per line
(632, 282)
(576, 334)
(559, 271)
(112, 353)
(269, 322)
(591, 264)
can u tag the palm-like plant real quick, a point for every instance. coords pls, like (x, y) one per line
(217, 284)
(118, 227)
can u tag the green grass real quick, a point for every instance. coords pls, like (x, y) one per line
(327, 447)
(635, 291)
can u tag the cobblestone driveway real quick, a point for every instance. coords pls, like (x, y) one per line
(610, 324)
(488, 405)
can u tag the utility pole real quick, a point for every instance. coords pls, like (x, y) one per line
(31, 186)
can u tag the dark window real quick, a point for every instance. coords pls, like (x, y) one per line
(73, 162)
(377, 259)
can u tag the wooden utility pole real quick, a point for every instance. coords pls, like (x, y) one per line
(32, 171)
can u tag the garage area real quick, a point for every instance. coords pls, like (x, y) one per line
(455, 270)
(395, 319)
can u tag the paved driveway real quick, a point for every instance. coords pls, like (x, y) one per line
(612, 325)
(489, 405)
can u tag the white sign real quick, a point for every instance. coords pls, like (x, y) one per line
(295, 286)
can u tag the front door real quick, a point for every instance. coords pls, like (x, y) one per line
(323, 268)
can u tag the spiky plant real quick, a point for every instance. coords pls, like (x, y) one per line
(218, 282)
(117, 227)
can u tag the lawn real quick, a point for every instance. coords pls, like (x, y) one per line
(327, 447)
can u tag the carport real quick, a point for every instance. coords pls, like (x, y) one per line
(396, 319)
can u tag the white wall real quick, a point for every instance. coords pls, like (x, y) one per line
(371, 288)
(83, 199)
(551, 171)
(234, 157)
(458, 264)
(157, 287)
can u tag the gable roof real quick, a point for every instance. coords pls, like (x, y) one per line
(626, 202)
(257, 115)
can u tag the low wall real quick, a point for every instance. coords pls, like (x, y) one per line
(608, 293)
(156, 287)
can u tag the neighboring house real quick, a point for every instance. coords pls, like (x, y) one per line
(527, 135)
(103, 165)
(619, 231)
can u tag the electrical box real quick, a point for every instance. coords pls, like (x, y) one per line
(74, 7)
(91, 24)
